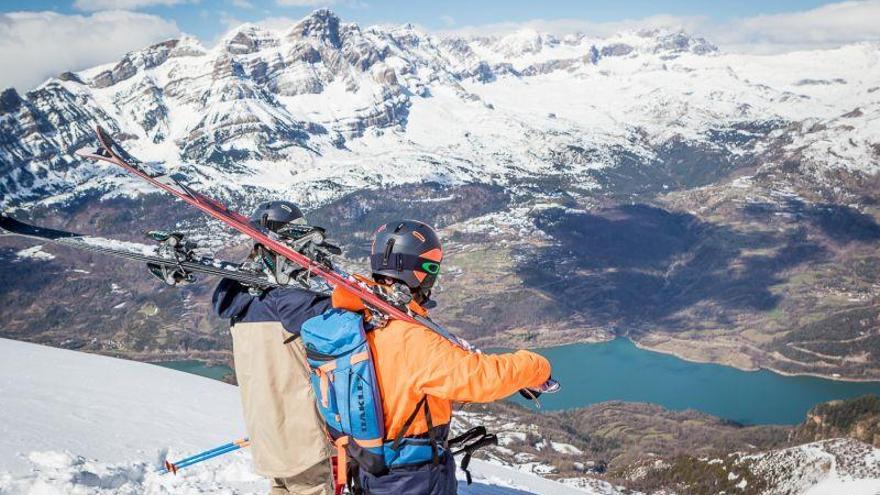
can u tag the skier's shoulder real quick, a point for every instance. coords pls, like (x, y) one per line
(411, 334)
(296, 296)
(292, 306)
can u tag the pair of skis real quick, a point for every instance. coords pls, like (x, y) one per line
(110, 152)
(377, 301)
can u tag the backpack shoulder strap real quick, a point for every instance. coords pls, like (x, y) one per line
(431, 433)
(408, 423)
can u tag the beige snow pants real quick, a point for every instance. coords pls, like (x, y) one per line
(313, 481)
(288, 438)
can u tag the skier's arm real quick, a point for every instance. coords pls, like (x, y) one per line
(230, 298)
(449, 372)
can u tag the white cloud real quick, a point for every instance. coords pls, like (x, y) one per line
(280, 23)
(96, 5)
(36, 45)
(447, 20)
(568, 26)
(826, 26)
(242, 4)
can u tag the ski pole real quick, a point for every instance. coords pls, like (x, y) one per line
(173, 467)
(206, 457)
(210, 451)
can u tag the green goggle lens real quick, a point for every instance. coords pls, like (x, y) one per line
(431, 267)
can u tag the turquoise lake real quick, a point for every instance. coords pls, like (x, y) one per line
(618, 370)
(217, 372)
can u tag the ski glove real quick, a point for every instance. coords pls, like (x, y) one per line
(548, 387)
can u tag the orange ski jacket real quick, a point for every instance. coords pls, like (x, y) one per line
(413, 361)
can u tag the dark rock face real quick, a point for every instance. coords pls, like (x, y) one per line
(857, 418)
(680, 42)
(616, 50)
(70, 76)
(10, 101)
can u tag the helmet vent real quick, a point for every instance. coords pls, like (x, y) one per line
(389, 247)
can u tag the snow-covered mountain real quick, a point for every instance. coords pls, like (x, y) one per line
(326, 107)
(78, 423)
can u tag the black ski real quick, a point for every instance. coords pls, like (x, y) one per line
(144, 253)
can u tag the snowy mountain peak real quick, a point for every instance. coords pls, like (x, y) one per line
(249, 38)
(524, 41)
(322, 25)
(134, 62)
(188, 46)
(664, 40)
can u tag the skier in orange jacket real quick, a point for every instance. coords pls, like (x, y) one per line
(420, 372)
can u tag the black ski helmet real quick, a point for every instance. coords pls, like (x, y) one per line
(408, 251)
(276, 214)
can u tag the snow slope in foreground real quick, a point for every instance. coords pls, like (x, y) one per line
(79, 423)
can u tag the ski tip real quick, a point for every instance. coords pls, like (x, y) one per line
(84, 153)
(91, 155)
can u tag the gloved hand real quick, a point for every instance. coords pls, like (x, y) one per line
(549, 387)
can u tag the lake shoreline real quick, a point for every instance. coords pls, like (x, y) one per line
(684, 357)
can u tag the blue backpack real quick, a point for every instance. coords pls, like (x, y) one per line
(344, 381)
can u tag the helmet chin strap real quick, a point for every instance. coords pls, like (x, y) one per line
(420, 295)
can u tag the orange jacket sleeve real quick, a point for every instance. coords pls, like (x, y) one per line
(449, 372)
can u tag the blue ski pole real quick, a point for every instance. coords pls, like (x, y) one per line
(173, 467)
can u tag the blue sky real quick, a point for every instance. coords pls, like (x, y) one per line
(206, 18)
(42, 38)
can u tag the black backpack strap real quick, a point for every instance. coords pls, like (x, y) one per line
(408, 423)
(435, 454)
(478, 438)
(431, 437)
(354, 481)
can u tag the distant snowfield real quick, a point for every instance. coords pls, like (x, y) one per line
(79, 423)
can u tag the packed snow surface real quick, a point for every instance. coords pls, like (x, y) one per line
(78, 423)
